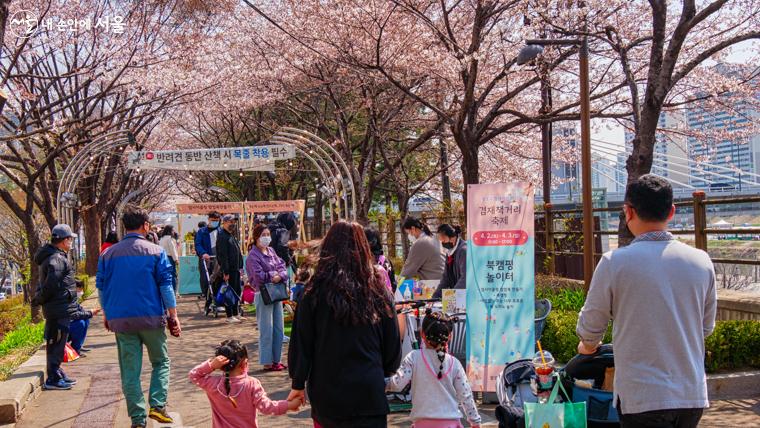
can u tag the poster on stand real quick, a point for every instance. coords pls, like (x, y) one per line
(500, 279)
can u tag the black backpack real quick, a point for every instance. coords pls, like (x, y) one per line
(280, 238)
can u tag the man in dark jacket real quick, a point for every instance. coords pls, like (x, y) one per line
(455, 250)
(205, 249)
(283, 231)
(230, 261)
(57, 294)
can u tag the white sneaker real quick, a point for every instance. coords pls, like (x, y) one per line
(232, 320)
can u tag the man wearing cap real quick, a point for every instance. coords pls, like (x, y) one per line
(57, 294)
(230, 261)
(134, 282)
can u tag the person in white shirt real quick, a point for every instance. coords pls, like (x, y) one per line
(440, 384)
(169, 244)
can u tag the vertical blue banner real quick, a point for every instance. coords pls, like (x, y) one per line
(500, 279)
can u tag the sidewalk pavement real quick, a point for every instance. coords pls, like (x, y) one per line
(96, 401)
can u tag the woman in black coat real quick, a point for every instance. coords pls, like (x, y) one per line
(345, 337)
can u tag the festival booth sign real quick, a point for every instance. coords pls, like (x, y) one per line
(189, 273)
(254, 158)
(500, 279)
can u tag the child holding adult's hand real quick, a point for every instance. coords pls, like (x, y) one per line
(236, 397)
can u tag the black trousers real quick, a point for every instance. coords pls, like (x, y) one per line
(234, 283)
(671, 418)
(205, 286)
(380, 421)
(56, 336)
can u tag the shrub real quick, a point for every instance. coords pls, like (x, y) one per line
(559, 336)
(26, 334)
(563, 299)
(12, 311)
(733, 344)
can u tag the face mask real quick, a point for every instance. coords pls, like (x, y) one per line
(412, 238)
(265, 240)
(448, 245)
(80, 294)
(232, 228)
(213, 224)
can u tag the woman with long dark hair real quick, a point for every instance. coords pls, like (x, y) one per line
(424, 260)
(345, 335)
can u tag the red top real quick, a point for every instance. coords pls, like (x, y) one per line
(104, 245)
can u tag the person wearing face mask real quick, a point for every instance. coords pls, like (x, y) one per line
(264, 266)
(205, 249)
(455, 250)
(425, 260)
(230, 260)
(80, 322)
(57, 295)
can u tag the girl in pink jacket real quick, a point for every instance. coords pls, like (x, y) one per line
(235, 397)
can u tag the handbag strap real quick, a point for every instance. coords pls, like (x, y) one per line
(555, 390)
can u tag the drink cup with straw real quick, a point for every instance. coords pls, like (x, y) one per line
(543, 363)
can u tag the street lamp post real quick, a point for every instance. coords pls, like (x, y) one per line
(533, 48)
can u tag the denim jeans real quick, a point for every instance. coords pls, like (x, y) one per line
(78, 333)
(271, 328)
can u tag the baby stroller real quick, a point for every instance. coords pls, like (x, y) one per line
(211, 306)
(513, 390)
(599, 406)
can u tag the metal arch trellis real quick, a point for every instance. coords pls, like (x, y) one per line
(322, 165)
(320, 144)
(122, 204)
(66, 197)
(294, 135)
(306, 144)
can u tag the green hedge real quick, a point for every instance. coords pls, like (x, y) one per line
(733, 344)
(26, 334)
(559, 336)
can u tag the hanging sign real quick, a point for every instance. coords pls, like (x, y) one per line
(500, 279)
(254, 158)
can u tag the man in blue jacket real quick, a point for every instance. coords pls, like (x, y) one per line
(205, 249)
(134, 281)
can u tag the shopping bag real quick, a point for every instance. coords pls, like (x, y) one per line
(69, 354)
(555, 415)
(219, 298)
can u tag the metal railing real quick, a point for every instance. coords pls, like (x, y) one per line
(700, 231)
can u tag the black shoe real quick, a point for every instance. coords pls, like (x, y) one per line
(138, 425)
(84, 350)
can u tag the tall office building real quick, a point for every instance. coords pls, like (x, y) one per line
(719, 164)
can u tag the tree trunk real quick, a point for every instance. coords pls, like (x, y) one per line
(91, 221)
(33, 245)
(317, 230)
(390, 240)
(639, 163)
(470, 167)
(403, 209)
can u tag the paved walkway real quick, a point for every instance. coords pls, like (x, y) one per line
(96, 401)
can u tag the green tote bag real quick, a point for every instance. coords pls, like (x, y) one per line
(555, 415)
